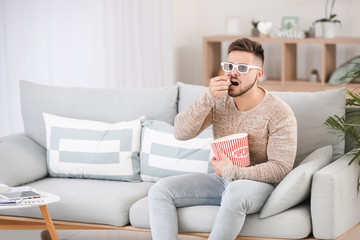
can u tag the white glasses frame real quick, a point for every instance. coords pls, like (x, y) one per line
(237, 69)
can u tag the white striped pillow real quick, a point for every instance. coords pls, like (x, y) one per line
(90, 149)
(161, 155)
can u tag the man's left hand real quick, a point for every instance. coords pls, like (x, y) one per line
(219, 165)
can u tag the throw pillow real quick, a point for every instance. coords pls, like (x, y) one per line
(339, 75)
(162, 155)
(295, 187)
(91, 149)
(188, 94)
(311, 110)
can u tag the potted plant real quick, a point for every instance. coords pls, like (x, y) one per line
(349, 125)
(314, 76)
(255, 30)
(328, 23)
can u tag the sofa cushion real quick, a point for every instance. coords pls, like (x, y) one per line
(162, 155)
(87, 200)
(296, 186)
(311, 110)
(105, 105)
(21, 160)
(188, 94)
(90, 149)
(293, 223)
(343, 72)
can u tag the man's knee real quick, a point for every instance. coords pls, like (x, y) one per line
(156, 189)
(246, 195)
(236, 196)
(161, 189)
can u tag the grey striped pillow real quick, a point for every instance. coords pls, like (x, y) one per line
(91, 149)
(161, 155)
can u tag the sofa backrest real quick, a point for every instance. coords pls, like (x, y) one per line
(106, 105)
(311, 110)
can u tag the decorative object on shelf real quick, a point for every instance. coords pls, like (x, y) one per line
(291, 33)
(311, 32)
(232, 25)
(314, 76)
(288, 29)
(255, 31)
(289, 23)
(347, 72)
(265, 28)
(329, 23)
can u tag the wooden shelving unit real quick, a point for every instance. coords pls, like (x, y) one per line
(288, 81)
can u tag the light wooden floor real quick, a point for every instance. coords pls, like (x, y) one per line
(83, 235)
(109, 235)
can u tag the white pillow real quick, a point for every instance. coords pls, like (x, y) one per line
(296, 186)
(90, 149)
(162, 155)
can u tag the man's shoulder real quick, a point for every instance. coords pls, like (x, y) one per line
(279, 106)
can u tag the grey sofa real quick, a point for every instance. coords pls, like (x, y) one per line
(319, 199)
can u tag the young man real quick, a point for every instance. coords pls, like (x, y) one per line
(233, 104)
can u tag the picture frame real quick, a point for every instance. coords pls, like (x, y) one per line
(232, 25)
(289, 23)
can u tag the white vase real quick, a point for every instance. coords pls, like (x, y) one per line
(328, 29)
(313, 78)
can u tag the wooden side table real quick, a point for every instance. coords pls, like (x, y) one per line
(49, 198)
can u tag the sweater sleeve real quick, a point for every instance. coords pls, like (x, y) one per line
(281, 151)
(193, 120)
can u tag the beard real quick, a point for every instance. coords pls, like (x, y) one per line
(232, 93)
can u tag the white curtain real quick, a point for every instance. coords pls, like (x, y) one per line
(87, 43)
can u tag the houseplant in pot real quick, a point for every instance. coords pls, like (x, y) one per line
(349, 125)
(255, 30)
(314, 76)
(329, 23)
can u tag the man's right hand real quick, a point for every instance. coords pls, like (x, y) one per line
(219, 86)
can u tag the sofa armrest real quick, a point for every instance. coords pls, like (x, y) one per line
(21, 160)
(335, 202)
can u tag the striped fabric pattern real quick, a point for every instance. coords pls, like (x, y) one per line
(235, 148)
(161, 155)
(91, 149)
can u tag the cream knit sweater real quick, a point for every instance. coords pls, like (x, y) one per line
(271, 128)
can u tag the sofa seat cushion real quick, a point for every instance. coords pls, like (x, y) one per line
(87, 200)
(293, 223)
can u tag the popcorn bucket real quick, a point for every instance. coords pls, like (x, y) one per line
(235, 148)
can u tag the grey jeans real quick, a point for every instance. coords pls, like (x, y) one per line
(235, 198)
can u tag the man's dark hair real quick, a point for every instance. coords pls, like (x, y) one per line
(247, 45)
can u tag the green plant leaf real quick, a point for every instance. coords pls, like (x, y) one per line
(332, 16)
(354, 100)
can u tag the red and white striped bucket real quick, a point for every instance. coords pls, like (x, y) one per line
(235, 148)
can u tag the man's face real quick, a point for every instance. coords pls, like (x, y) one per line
(242, 83)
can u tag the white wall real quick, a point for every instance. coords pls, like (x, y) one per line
(195, 19)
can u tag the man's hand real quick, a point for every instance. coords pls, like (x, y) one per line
(219, 86)
(219, 165)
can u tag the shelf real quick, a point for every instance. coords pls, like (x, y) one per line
(337, 40)
(303, 86)
(288, 81)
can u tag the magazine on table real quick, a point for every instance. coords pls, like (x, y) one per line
(19, 196)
